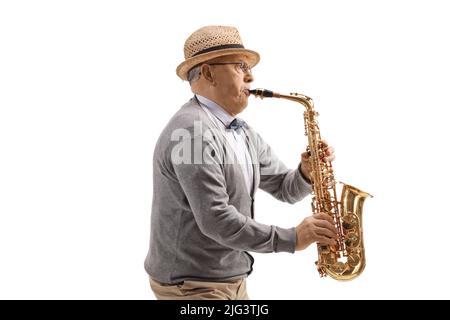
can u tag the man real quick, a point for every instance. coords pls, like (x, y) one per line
(207, 166)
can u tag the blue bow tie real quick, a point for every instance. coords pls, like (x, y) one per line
(236, 124)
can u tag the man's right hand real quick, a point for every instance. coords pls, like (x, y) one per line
(316, 228)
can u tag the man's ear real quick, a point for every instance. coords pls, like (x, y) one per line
(207, 74)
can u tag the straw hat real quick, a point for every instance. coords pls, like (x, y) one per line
(212, 42)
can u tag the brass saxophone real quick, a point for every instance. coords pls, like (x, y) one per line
(345, 260)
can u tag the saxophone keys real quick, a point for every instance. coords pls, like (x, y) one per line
(351, 240)
(353, 259)
(339, 267)
(350, 221)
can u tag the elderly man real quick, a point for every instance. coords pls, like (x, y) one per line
(207, 166)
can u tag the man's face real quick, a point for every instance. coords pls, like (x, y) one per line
(232, 77)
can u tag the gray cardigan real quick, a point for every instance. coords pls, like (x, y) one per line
(202, 220)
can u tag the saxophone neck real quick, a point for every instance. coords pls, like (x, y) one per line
(306, 101)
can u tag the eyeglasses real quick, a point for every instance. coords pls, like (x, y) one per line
(242, 65)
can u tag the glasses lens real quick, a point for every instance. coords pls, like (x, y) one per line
(245, 67)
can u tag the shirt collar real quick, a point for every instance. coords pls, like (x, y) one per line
(216, 110)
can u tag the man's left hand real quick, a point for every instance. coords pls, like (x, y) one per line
(305, 165)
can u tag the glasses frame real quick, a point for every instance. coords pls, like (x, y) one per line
(242, 65)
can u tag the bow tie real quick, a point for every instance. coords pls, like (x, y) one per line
(236, 124)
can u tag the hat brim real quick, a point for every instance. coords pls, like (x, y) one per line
(185, 66)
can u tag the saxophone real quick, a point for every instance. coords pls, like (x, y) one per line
(345, 260)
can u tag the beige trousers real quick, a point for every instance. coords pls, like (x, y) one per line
(201, 290)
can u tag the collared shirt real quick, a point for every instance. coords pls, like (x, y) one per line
(235, 138)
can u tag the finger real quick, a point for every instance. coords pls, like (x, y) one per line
(324, 241)
(327, 232)
(330, 150)
(327, 225)
(305, 156)
(324, 216)
(330, 158)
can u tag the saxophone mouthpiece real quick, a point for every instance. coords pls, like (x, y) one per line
(261, 93)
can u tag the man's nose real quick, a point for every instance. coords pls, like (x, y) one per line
(248, 77)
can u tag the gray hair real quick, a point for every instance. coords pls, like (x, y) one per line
(194, 74)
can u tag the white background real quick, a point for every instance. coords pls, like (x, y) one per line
(87, 86)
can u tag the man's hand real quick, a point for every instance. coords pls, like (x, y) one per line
(316, 228)
(305, 165)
